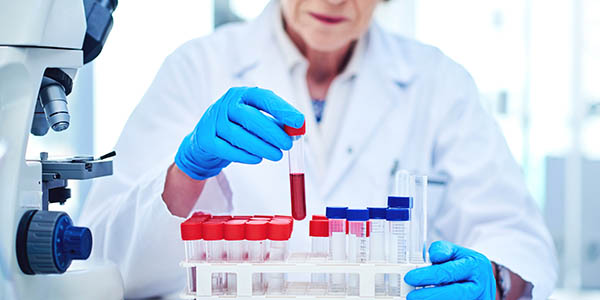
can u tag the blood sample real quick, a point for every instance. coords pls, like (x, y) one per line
(296, 160)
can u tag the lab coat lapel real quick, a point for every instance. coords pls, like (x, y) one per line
(380, 85)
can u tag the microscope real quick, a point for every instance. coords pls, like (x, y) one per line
(42, 45)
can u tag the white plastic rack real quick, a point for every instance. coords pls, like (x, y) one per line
(296, 263)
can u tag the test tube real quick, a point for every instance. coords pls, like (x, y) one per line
(337, 247)
(296, 160)
(358, 244)
(417, 248)
(377, 244)
(195, 250)
(212, 231)
(256, 236)
(278, 233)
(319, 239)
(400, 193)
(398, 220)
(234, 232)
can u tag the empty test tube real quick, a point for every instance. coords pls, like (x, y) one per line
(417, 247)
(256, 238)
(398, 220)
(191, 234)
(234, 232)
(358, 244)
(278, 233)
(319, 238)
(378, 244)
(337, 247)
(212, 232)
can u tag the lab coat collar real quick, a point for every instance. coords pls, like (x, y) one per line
(268, 30)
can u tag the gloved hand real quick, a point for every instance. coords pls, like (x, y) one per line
(457, 273)
(234, 129)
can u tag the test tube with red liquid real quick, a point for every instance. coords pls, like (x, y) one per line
(296, 159)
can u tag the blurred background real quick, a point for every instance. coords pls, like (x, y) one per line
(536, 62)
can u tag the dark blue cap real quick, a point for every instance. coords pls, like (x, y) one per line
(400, 202)
(377, 212)
(336, 212)
(397, 214)
(357, 215)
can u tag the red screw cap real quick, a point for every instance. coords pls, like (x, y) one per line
(242, 217)
(291, 131)
(319, 228)
(234, 230)
(221, 218)
(191, 230)
(279, 230)
(212, 230)
(319, 217)
(256, 230)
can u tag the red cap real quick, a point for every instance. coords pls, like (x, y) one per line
(319, 217)
(285, 218)
(242, 217)
(221, 217)
(234, 230)
(279, 230)
(291, 131)
(319, 228)
(263, 216)
(191, 230)
(256, 230)
(260, 219)
(213, 230)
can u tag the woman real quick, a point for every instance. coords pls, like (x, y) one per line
(370, 100)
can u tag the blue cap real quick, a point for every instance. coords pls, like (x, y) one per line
(377, 212)
(400, 202)
(357, 215)
(397, 214)
(336, 212)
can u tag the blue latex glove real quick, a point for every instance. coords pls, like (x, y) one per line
(234, 129)
(457, 273)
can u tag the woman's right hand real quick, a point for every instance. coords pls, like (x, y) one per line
(234, 129)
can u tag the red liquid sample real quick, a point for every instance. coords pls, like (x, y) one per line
(298, 197)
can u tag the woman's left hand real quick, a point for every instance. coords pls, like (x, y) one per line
(456, 273)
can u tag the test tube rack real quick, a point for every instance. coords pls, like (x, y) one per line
(296, 263)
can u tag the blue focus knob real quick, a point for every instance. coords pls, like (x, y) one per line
(47, 242)
(77, 242)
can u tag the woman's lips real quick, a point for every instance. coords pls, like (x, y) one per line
(328, 19)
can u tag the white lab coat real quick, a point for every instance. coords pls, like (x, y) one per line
(410, 105)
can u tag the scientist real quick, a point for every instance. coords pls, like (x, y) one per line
(208, 136)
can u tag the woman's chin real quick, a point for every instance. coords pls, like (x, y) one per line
(326, 43)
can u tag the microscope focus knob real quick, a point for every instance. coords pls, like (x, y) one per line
(47, 242)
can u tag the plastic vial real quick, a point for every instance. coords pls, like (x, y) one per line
(212, 231)
(256, 239)
(358, 244)
(319, 244)
(195, 249)
(417, 247)
(337, 247)
(398, 220)
(377, 244)
(234, 232)
(296, 160)
(278, 232)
